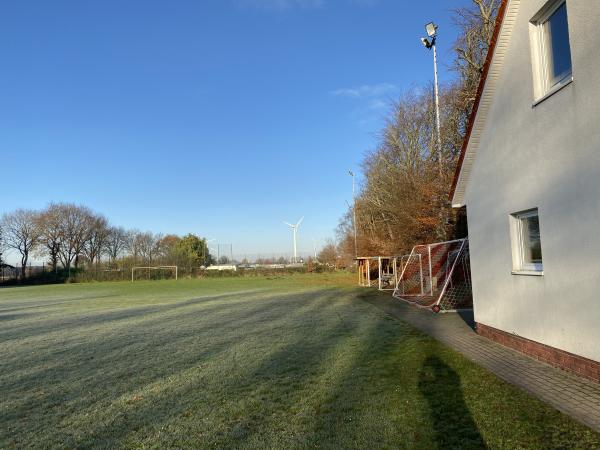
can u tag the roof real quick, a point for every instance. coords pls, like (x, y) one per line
(491, 71)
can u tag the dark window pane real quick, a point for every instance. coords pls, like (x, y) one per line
(532, 246)
(559, 51)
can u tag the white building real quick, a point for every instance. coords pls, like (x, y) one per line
(530, 179)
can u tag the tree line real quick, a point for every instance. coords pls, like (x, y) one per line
(404, 198)
(70, 237)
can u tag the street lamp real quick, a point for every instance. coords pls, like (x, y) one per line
(354, 215)
(429, 43)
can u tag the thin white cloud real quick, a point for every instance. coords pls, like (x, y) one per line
(369, 101)
(368, 91)
(378, 103)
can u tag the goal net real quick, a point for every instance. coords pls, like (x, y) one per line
(154, 273)
(390, 268)
(437, 276)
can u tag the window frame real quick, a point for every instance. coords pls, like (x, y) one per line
(543, 87)
(520, 267)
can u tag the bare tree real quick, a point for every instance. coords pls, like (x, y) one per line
(476, 24)
(1, 248)
(329, 253)
(21, 233)
(49, 225)
(96, 239)
(399, 201)
(68, 234)
(403, 200)
(132, 243)
(116, 242)
(145, 245)
(76, 223)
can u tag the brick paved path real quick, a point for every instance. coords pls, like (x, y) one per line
(574, 396)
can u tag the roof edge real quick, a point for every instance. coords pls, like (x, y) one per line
(482, 81)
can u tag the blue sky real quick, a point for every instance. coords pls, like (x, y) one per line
(217, 117)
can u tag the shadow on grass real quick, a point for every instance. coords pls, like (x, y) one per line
(232, 387)
(151, 331)
(224, 325)
(452, 423)
(323, 387)
(435, 325)
(314, 369)
(21, 305)
(91, 318)
(5, 319)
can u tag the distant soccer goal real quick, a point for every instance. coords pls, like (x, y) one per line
(154, 273)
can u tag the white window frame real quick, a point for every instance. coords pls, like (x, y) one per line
(539, 53)
(520, 267)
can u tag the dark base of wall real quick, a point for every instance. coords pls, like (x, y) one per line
(559, 358)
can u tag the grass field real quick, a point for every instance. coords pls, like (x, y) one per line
(290, 362)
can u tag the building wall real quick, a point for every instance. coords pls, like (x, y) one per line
(547, 156)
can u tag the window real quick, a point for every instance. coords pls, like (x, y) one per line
(551, 48)
(526, 242)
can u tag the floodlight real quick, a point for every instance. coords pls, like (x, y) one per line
(431, 29)
(426, 42)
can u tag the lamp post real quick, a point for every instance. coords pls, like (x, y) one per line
(429, 43)
(354, 215)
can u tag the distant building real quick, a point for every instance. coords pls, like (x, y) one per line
(222, 267)
(529, 176)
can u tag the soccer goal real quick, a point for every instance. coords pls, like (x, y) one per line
(437, 276)
(153, 273)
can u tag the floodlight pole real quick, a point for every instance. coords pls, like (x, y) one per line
(431, 29)
(437, 104)
(437, 123)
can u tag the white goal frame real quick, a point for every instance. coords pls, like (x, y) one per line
(133, 269)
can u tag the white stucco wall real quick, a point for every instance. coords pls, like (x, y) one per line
(547, 156)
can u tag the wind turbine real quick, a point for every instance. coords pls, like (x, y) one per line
(295, 230)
